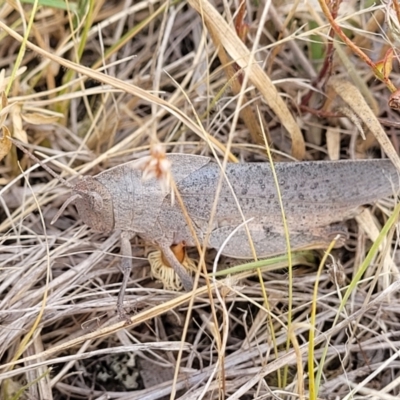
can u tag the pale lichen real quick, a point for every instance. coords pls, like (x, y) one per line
(161, 271)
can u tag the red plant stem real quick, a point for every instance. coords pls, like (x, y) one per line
(355, 49)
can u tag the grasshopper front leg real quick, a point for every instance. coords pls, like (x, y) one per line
(126, 266)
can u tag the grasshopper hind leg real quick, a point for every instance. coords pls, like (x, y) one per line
(268, 241)
(170, 257)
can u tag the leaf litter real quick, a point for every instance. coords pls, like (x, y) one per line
(145, 72)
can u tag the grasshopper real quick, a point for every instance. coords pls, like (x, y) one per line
(317, 196)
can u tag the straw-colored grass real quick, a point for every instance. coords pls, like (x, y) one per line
(89, 86)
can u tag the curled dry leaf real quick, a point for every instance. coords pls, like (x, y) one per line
(39, 119)
(333, 142)
(18, 131)
(5, 142)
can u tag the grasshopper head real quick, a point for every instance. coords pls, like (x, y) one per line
(94, 204)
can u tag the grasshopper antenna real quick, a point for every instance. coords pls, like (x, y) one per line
(42, 164)
(52, 173)
(64, 206)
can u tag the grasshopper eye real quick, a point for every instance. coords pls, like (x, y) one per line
(97, 201)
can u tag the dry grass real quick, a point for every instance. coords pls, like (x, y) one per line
(103, 85)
